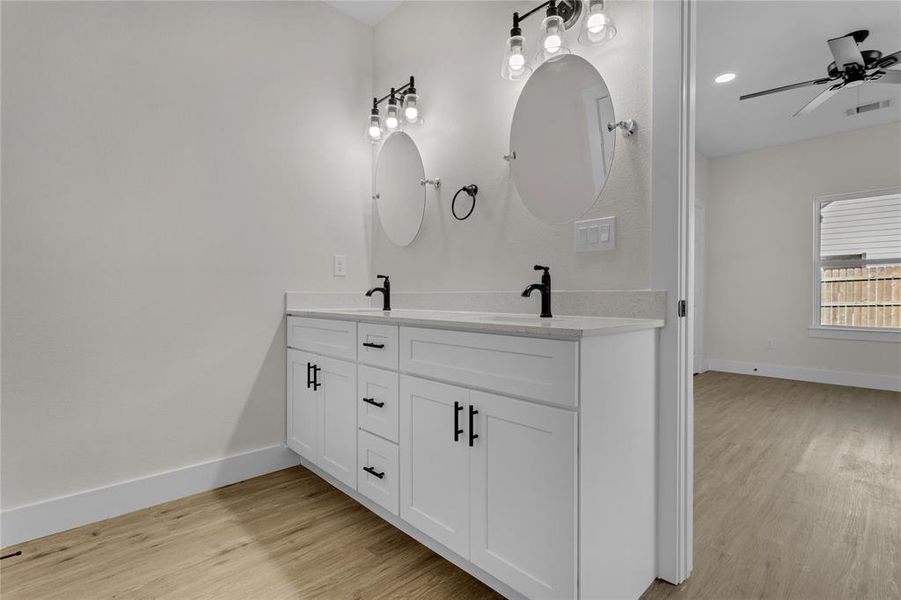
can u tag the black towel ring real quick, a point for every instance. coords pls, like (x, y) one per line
(471, 189)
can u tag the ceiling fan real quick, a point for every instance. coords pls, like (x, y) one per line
(852, 67)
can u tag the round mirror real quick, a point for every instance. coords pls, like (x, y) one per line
(560, 139)
(400, 195)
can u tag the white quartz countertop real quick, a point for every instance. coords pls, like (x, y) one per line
(562, 327)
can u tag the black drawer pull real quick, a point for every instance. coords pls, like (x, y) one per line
(309, 371)
(316, 384)
(472, 435)
(373, 402)
(371, 345)
(375, 473)
(457, 431)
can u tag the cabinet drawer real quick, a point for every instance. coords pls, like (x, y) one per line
(377, 345)
(378, 476)
(527, 367)
(375, 387)
(323, 336)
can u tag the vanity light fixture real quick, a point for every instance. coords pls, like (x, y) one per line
(392, 120)
(410, 111)
(515, 65)
(411, 104)
(598, 28)
(551, 44)
(374, 127)
(724, 78)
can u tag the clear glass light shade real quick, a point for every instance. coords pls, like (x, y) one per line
(598, 28)
(411, 108)
(551, 44)
(374, 129)
(392, 119)
(515, 65)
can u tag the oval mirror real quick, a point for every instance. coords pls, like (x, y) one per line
(559, 134)
(400, 196)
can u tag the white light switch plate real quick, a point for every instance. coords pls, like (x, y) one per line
(593, 235)
(340, 265)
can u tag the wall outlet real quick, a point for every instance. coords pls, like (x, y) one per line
(770, 343)
(593, 235)
(340, 265)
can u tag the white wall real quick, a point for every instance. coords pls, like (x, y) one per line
(760, 255)
(168, 174)
(455, 50)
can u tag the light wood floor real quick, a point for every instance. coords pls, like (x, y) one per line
(797, 495)
(797, 492)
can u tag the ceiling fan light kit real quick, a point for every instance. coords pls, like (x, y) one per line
(852, 67)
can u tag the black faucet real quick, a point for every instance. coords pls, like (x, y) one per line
(545, 288)
(385, 290)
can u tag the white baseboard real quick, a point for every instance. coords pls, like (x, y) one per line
(36, 520)
(863, 380)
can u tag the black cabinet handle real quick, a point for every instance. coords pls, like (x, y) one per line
(316, 384)
(457, 431)
(309, 379)
(374, 473)
(373, 402)
(472, 435)
(371, 345)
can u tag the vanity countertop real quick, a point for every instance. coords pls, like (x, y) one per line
(568, 327)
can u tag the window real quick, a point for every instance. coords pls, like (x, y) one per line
(857, 263)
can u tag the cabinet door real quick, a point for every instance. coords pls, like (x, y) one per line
(523, 467)
(302, 405)
(434, 479)
(338, 419)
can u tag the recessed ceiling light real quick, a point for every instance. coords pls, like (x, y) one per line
(725, 78)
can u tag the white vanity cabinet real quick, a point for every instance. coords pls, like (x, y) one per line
(526, 460)
(434, 459)
(523, 495)
(322, 412)
(493, 479)
(303, 405)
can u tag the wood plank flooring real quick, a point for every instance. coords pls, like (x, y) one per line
(797, 495)
(284, 535)
(797, 492)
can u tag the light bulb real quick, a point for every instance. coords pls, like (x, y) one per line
(374, 125)
(374, 128)
(598, 28)
(596, 22)
(391, 119)
(552, 45)
(411, 108)
(515, 66)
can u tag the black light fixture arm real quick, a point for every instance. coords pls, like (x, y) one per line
(407, 87)
(551, 6)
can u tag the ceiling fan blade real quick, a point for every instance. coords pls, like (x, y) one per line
(889, 76)
(786, 88)
(845, 51)
(819, 99)
(888, 60)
